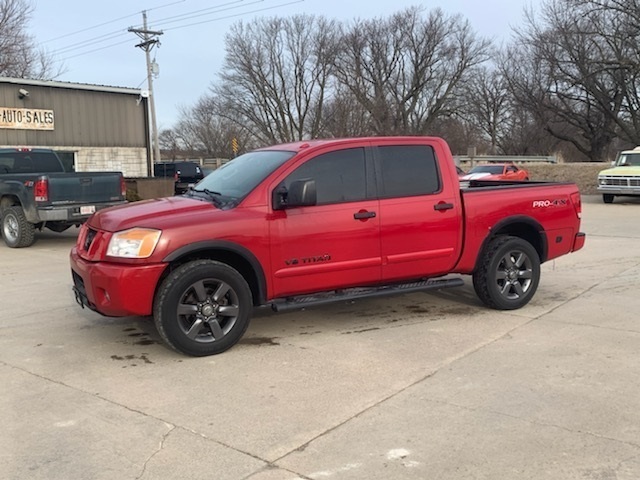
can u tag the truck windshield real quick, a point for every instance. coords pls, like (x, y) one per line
(241, 175)
(629, 159)
(494, 169)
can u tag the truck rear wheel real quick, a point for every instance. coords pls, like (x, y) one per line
(508, 273)
(203, 308)
(607, 198)
(17, 232)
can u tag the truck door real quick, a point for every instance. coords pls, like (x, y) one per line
(420, 213)
(335, 243)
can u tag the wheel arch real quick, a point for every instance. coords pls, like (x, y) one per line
(9, 200)
(229, 253)
(522, 227)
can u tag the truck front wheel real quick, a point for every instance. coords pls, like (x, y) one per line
(607, 198)
(203, 308)
(17, 232)
(508, 273)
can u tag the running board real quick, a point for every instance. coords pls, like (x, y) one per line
(323, 298)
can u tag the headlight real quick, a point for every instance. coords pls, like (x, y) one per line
(602, 181)
(134, 243)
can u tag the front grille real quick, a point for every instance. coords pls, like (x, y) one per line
(620, 181)
(88, 239)
(78, 281)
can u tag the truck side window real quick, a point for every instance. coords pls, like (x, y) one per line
(408, 170)
(339, 176)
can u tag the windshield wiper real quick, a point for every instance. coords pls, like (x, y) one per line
(213, 195)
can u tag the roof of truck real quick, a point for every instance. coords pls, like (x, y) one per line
(635, 150)
(304, 144)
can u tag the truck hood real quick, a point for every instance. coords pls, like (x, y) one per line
(622, 171)
(156, 213)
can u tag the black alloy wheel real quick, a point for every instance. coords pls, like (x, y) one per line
(203, 308)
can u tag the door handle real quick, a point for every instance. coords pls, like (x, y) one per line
(364, 215)
(443, 206)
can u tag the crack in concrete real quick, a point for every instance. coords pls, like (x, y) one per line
(158, 450)
(273, 464)
(144, 414)
(507, 334)
(539, 423)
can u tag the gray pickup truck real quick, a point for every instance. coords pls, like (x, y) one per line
(37, 193)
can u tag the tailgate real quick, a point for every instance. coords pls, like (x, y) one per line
(89, 187)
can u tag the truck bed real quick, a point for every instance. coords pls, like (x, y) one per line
(547, 208)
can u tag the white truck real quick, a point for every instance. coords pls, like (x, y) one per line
(623, 178)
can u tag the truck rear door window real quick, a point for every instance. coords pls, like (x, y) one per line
(408, 170)
(29, 162)
(339, 176)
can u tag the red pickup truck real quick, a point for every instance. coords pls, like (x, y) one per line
(307, 223)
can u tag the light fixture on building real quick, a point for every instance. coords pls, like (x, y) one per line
(22, 93)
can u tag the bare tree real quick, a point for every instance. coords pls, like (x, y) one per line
(170, 144)
(344, 116)
(19, 55)
(616, 26)
(489, 105)
(204, 130)
(406, 70)
(511, 126)
(276, 75)
(576, 69)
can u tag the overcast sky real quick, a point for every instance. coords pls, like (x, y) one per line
(192, 46)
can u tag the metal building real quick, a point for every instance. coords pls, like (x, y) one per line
(91, 127)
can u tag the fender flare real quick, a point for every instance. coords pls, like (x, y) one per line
(504, 226)
(226, 246)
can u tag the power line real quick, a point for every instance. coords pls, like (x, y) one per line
(96, 50)
(80, 45)
(211, 13)
(197, 12)
(89, 28)
(112, 35)
(90, 41)
(110, 22)
(237, 15)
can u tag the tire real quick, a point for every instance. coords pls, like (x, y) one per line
(508, 274)
(203, 308)
(607, 198)
(17, 232)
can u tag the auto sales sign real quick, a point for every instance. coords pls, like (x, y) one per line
(26, 118)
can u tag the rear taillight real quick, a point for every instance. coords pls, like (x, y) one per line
(41, 189)
(123, 187)
(577, 203)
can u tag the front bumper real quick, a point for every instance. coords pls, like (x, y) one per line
(618, 190)
(70, 213)
(115, 290)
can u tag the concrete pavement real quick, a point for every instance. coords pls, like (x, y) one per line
(421, 386)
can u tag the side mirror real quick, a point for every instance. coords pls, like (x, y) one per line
(301, 193)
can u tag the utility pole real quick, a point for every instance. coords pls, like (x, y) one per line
(150, 40)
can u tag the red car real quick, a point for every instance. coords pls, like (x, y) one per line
(496, 171)
(303, 224)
